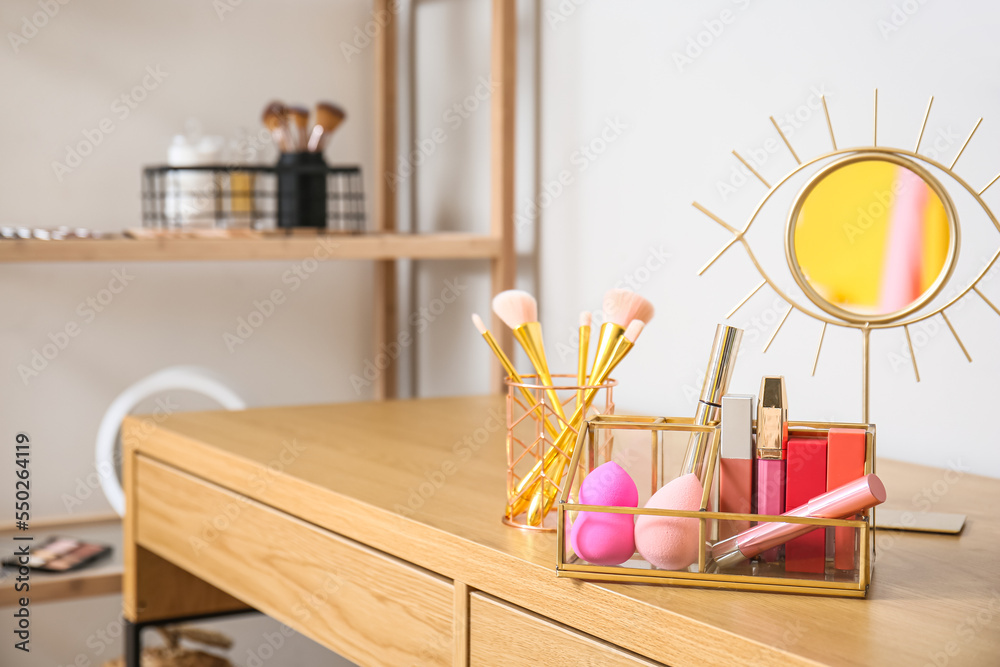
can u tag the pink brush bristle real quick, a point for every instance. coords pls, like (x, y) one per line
(621, 306)
(515, 307)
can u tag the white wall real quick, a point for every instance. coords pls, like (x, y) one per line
(616, 61)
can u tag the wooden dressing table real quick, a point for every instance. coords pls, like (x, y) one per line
(374, 529)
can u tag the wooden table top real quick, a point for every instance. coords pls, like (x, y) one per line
(423, 480)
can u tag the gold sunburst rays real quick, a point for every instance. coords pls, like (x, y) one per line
(905, 318)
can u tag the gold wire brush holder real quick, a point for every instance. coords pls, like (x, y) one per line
(533, 426)
(645, 447)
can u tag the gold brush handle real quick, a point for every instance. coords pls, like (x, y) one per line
(512, 372)
(611, 333)
(583, 349)
(548, 488)
(529, 335)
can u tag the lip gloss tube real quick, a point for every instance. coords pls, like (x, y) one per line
(844, 501)
(736, 461)
(845, 461)
(772, 442)
(806, 480)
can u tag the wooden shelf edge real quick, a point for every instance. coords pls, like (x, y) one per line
(101, 578)
(67, 587)
(360, 247)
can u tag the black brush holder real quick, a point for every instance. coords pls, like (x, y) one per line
(301, 190)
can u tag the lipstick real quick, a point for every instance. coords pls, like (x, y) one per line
(806, 469)
(845, 461)
(772, 443)
(721, 363)
(844, 501)
(736, 461)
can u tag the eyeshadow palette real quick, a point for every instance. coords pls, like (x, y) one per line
(61, 554)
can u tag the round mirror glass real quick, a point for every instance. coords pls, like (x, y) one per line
(872, 237)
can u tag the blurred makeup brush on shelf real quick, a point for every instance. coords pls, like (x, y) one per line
(519, 311)
(328, 118)
(299, 117)
(274, 118)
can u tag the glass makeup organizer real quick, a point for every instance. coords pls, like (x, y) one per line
(883, 213)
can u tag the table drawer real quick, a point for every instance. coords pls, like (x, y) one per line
(500, 634)
(369, 607)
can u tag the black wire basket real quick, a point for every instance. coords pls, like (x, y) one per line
(300, 191)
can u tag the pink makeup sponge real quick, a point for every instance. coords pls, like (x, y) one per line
(598, 537)
(671, 543)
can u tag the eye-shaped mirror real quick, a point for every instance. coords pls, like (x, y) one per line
(872, 237)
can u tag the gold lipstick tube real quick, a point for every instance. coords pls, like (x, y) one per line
(721, 363)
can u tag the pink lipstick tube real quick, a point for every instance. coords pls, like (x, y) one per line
(736, 461)
(844, 501)
(772, 443)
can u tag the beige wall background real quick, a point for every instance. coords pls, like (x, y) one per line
(608, 104)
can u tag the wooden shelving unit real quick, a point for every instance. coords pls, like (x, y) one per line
(385, 247)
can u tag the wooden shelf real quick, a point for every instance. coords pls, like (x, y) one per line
(103, 577)
(360, 247)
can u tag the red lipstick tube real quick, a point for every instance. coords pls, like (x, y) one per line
(806, 480)
(845, 461)
(844, 501)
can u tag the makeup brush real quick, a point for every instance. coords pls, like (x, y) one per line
(583, 350)
(274, 121)
(544, 497)
(621, 306)
(512, 372)
(519, 311)
(328, 117)
(299, 117)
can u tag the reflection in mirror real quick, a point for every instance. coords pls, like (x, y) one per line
(872, 237)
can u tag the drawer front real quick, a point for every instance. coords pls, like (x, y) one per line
(369, 607)
(500, 634)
